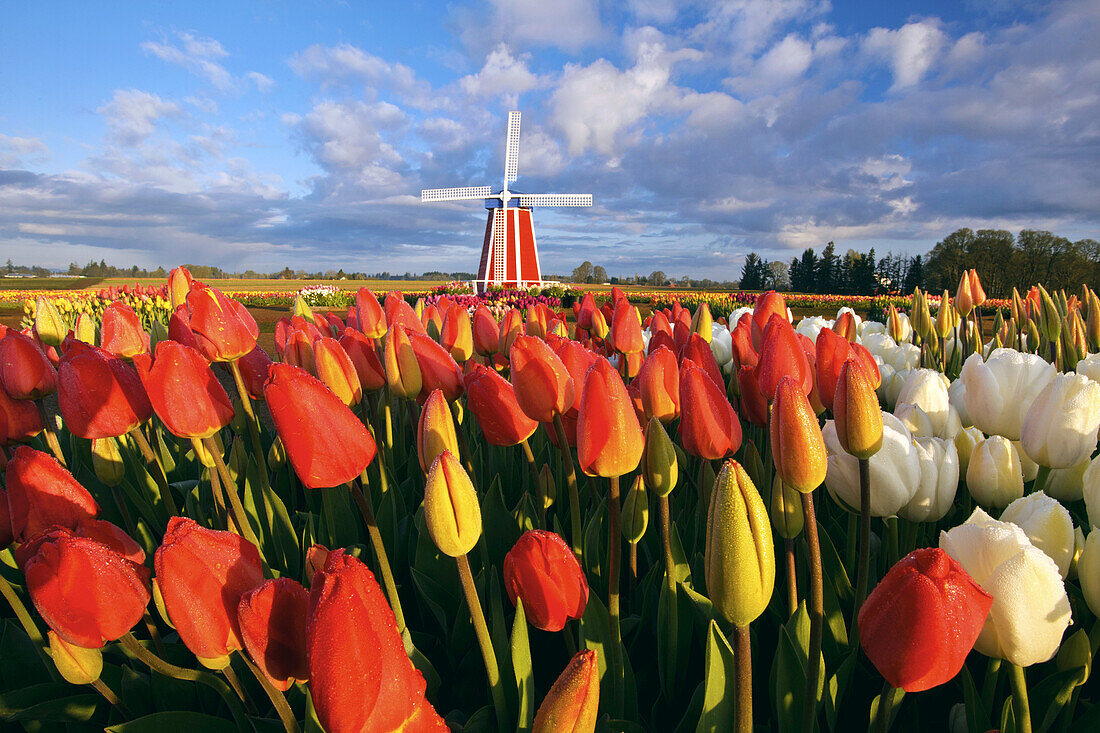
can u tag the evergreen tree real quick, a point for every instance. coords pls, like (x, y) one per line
(826, 272)
(914, 277)
(754, 272)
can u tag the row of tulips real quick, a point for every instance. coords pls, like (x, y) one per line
(329, 537)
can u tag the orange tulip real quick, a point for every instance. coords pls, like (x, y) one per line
(626, 329)
(335, 368)
(577, 359)
(254, 367)
(435, 431)
(659, 324)
(709, 427)
(369, 369)
(511, 326)
(574, 700)
(798, 449)
(584, 313)
(977, 292)
(370, 317)
(224, 328)
(299, 351)
(121, 332)
(432, 320)
(99, 394)
(25, 372)
(658, 384)
(599, 329)
(486, 332)
(456, 334)
(400, 312)
(767, 304)
(609, 438)
(542, 382)
(41, 493)
(754, 406)
(741, 339)
(964, 298)
(402, 369)
(781, 355)
(272, 618)
(856, 410)
(845, 326)
(831, 353)
(437, 369)
(492, 400)
(536, 320)
(183, 391)
(20, 421)
(698, 351)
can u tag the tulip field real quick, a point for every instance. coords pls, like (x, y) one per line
(447, 512)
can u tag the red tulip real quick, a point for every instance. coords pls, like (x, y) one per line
(41, 493)
(584, 314)
(202, 574)
(659, 324)
(6, 536)
(299, 351)
(254, 367)
(609, 438)
(315, 560)
(223, 327)
(336, 370)
(351, 320)
(492, 400)
(86, 593)
(486, 332)
(183, 390)
(781, 356)
(658, 384)
(326, 443)
(754, 406)
(360, 677)
(543, 572)
(370, 318)
(922, 619)
(272, 618)
(845, 326)
(179, 330)
(662, 338)
(767, 304)
(577, 359)
(20, 420)
(832, 351)
(741, 338)
(398, 311)
(542, 383)
(438, 369)
(626, 328)
(335, 325)
(364, 357)
(698, 351)
(179, 285)
(112, 536)
(432, 320)
(309, 328)
(121, 332)
(709, 427)
(25, 372)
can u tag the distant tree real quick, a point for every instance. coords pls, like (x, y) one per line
(599, 275)
(802, 272)
(914, 276)
(582, 273)
(753, 273)
(658, 277)
(948, 259)
(777, 277)
(827, 271)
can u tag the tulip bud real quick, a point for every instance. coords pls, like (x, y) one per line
(845, 326)
(1092, 327)
(964, 297)
(994, 475)
(402, 370)
(1061, 424)
(702, 322)
(25, 371)
(548, 488)
(77, 665)
(609, 438)
(1047, 524)
(709, 427)
(786, 510)
(740, 565)
(1050, 319)
(84, 329)
(895, 327)
(659, 464)
(1076, 654)
(798, 449)
(1078, 548)
(456, 335)
(659, 384)
(107, 461)
(184, 391)
(573, 702)
(944, 316)
(48, 323)
(451, 509)
(857, 413)
(486, 332)
(301, 308)
(635, 512)
(335, 368)
(626, 329)
(543, 572)
(435, 431)
(919, 316)
(543, 384)
(272, 618)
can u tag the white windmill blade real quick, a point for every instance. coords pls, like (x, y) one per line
(455, 194)
(511, 151)
(554, 199)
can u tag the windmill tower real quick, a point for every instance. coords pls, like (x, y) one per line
(509, 256)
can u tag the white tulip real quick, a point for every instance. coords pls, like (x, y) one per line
(1090, 491)
(929, 390)
(885, 373)
(1030, 609)
(1000, 390)
(1060, 427)
(811, 326)
(965, 442)
(867, 328)
(994, 476)
(905, 356)
(939, 480)
(914, 418)
(1088, 571)
(1047, 524)
(956, 393)
(894, 470)
(893, 388)
(1028, 467)
(1090, 367)
(1067, 484)
(880, 345)
(721, 346)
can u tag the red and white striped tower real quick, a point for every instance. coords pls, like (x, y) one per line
(509, 255)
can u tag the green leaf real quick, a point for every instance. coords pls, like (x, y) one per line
(15, 701)
(175, 722)
(975, 715)
(838, 685)
(790, 668)
(500, 527)
(1052, 695)
(73, 709)
(895, 696)
(524, 673)
(667, 638)
(719, 711)
(679, 558)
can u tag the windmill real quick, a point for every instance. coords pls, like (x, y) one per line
(509, 256)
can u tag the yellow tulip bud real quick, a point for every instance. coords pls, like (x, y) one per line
(107, 461)
(635, 515)
(856, 410)
(435, 431)
(702, 321)
(740, 564)
(451, 509)
(659, 463)
(574, 700)
(79, 666)
(786, 510)
(48, 323)
(944, 316)
(301, 308)
(402, 369)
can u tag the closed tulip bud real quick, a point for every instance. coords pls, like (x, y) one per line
(768, 304)
(609, 438)
(1050, 318)
(897, 326)
(360, 678)
(437, 369)
(1092, 325)
(574, 700)
(1088, 571)
(76, 664)
(336, 448)
(1030, 609)
(543, 385)
(364, 359)
(107, 462)
(786, 510)
(493, 401)
(223, 327)
(922, 619)
(1061, 424)
(301, 308)
(25, 371)
(456, 335)
(798, 449)
(994, 475)
(660, 466)
(202, 575)
(402, 370)
(845, 326)
(184, 391)
(435, 431)
(451, 510)
(709, 427)
(599, 328)
(658, 384)
(895, 469)
(781, 355)
(179, 285)
(740, 564)
(635, 512)
(41, 493)
(753, 405)
(87, 593)
(548, 487)
(121, 332)
(626, 329)
(698, 351)
(48, 323)
(1047, 524)
(964, 297)
(299, 351)
(702, 322)
(486, 332)
(977, 292)
(20, 420)
(939, 480)
(511, 326)
(272, 618)
(855, 407)
(543, 572)
(84, 329)
(370, 318)
(336, 370)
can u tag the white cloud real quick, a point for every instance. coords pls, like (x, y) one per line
(197, 55)
(16, 152)
(567, 24)
(502, 75)
(910, 51)
(263, 82)
(132, 115)
(347, 140)
(342, 62)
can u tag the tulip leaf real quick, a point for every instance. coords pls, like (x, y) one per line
(1052, 695)
(20, 662)
(838, 685)
(524, 672)
(679, 557)
(596, 634)
(976, 720)
(438, 600)
(500, 527)
(499, 630)
(895, 696)
(719, 711)
(175, 722)
(1008, 717)
(74, 709)
(667, 638)
(791, 667)
(699, 602)
(15, 701)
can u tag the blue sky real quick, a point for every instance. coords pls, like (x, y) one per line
(266, 134)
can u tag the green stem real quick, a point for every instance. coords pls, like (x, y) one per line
(253, 426)
(481, 629)
(239, 516)
(817, 614)
(863, 573)
(540, 495)
(379, 551)
(571, 483)
(1040, 479)
(989, 687)
(28, 625)
(156, 469)
(238, 688)
(277, 698)
(890, 696)
(110, 696)
(743, 658)
(792, 578)
(158, 665)
(614, 541)
(1021, 709)
(50, 433)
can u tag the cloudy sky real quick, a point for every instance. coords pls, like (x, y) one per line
(265, 134)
